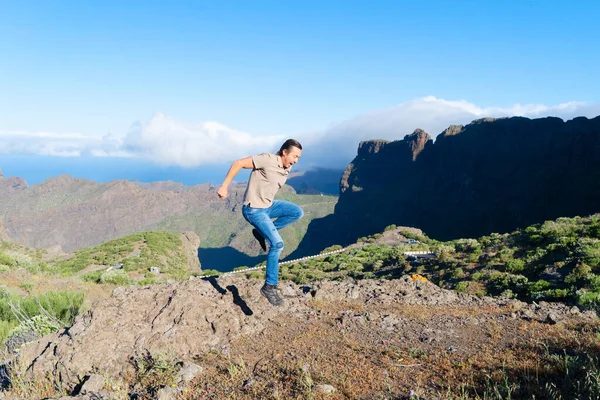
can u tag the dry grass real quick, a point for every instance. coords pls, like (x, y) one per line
(506, 358)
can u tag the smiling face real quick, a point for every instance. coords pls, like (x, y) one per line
(290, 157)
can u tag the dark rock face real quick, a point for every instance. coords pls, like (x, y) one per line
(316, 181)
(493, 175)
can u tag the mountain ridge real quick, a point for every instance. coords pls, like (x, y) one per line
(492, 175)
(77, 213)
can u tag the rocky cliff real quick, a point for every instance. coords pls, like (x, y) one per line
(493, 175)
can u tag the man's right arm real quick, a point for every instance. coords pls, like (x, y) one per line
(233, 171)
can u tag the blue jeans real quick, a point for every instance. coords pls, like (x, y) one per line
(284, 213)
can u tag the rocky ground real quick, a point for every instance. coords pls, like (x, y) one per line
(218, 338)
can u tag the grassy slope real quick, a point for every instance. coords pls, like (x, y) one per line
(137, 253)
(218, 230)
(555, 261)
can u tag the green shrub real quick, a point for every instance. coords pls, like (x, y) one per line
(505, 254)
(590, 253)
(551, 295)
(535, 255)
(458, 273)
(500, 282)
(149, 281)
(538, 286)
(477, 276)
(93, 276)
(467, 245)
(332, 248)
(461, 286)
(493, 242)
(585, 298)
(7, 260)
(60, 307)
(533, 229)
(592, 282)
(515, 265)
(258, 275)
(39, 324)
(63, 305)
(444, 252)
(535, 239)
(115, 277)
(593, 230)
(210, 272)
(560, 227)
(300, 278)
(410, 235)
(473, 257)
(377, 265)
(580, 272)
(6, 327)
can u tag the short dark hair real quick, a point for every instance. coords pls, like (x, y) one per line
(288, 144)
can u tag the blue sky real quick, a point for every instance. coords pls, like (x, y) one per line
(196, 83)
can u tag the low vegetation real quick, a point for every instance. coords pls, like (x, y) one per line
(13, 255)
(23, 317)
(134, 253)
(554, 261)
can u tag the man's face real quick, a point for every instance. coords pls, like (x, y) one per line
(290, 157)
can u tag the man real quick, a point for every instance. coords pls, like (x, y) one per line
(269, 173)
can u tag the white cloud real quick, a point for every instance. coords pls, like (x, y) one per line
(338, 144)
(167, 141)
(162, 140)
(54, 144)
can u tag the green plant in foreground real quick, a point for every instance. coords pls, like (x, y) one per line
(38, 313)
(152, 373)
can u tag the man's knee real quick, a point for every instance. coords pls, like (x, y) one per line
(277, 247)
(299, 213)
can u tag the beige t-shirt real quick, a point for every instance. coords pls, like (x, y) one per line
(267, 177)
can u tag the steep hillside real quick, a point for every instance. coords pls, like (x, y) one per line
(316, 181)
(489, 176)
(78, 213)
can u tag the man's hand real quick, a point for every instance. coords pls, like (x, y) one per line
(233, 171)
(222, 192)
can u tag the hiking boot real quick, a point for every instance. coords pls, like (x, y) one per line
(270, 292)
(261, 240)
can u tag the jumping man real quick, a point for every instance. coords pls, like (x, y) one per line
(269, 173)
